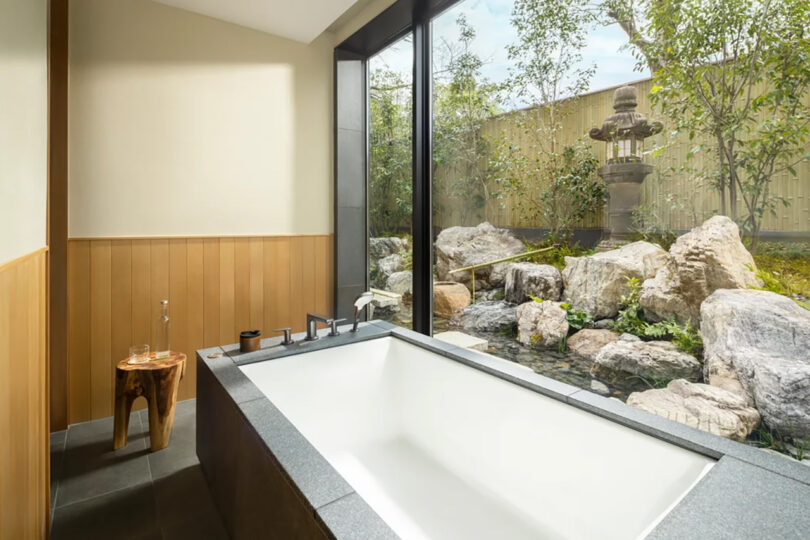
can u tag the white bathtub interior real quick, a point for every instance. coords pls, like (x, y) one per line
(442, 450)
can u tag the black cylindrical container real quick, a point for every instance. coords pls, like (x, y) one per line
(250, 340)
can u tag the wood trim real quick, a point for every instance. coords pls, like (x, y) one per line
(57, 211)
(22, 258)
(202, 236)
(216, 288)
(24, 457)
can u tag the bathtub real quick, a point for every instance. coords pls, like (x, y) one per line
(440, 449)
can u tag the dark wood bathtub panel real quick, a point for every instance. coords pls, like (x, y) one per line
(217, 442)
(267, 505)
(253, 495)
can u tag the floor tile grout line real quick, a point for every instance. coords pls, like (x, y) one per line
(55, 504)
(148, 461)
(61, 460)
(152, 492)
(99, 495)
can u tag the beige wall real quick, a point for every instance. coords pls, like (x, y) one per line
(23, 215)
(23, 126)
(184, 125)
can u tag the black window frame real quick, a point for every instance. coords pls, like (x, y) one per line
(351, 185)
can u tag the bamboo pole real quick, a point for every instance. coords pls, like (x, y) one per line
(505, 259)
(497, 261)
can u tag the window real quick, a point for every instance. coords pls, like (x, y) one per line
(390, 176)
(572, 184)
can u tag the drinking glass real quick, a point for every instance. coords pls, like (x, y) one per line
(138, 354)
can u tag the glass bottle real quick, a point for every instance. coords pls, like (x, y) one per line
(161, 337)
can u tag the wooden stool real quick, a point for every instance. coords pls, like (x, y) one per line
(157, 380)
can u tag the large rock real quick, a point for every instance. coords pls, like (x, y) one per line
(701, 406)
(449, 298)
(596, 283)
(757, 343)
(707, 258)
(524, 280)
(389, 265)
(459, 247)
(541, 324)
(589, 342)
(383, 247)
(385, 306)
(656, 360)
(400, 283)
(485, 317)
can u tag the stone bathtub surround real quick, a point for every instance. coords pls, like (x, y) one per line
(266, 476)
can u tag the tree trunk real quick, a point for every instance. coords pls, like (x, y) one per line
(732, 193)
(733, 181)
(756, 225)
(721, 181)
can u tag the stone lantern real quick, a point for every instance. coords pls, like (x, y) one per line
(624, 170)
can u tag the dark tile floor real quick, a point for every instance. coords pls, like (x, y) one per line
(131, 493)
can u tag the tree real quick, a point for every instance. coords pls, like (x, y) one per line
(390, 163)
(463, 101)
(547, 180)
(736, 73)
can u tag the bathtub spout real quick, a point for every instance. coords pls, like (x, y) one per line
(359, 303)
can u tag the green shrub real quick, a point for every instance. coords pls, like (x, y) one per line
(772, 283)
(788, 277)
(685, 337)
(765, 437)
(631, 321)
(577, 319)
(786, 270)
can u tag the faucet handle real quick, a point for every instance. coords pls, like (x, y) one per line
(333, 324)
(288, 340)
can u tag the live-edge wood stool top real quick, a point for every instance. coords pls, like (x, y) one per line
(172, 360)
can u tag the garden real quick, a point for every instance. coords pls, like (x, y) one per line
(698, 307)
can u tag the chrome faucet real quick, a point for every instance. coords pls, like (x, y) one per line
(312, 325)
(359, 303)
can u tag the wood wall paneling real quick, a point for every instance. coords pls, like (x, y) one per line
(210, 292)
(24, 457)
(79, 331)
(216, 288)
(195, 311)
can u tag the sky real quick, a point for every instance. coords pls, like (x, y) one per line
(490, 19)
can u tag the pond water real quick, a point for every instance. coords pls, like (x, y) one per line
(566, 367)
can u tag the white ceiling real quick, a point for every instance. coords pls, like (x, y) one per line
(301, 20)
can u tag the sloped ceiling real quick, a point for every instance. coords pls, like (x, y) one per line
(300, 20)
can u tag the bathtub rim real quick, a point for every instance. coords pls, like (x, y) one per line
(342, 512)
